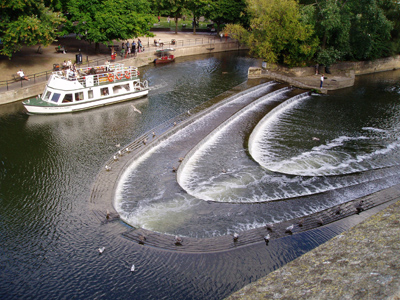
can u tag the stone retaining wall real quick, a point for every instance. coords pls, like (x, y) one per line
(344, 68)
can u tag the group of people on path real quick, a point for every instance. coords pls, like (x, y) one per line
(128, 49)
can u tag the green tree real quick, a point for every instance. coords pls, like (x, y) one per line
(102, 21)
(228, 12)
(27, 22)
(198, 8)
(370, 30)
(349, 29)
(174, 8)
(391, 9)
(277, 33)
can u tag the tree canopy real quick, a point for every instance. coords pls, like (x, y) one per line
(228, 12)
(277, 33)
(102, 21)
(27, 22)
(349, 29)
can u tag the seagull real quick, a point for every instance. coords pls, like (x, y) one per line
(101, 250)
(118, 145)
(173, 169)
(178, 241)
(266, 238)
(115, 158)
(235, 237)
(108, 168)
(289, 229)
(189, 112)
(108, 216)
(180, 159)
(315, 139)
(128, 150)
(135, 109)
(300, 223)
(154, 134)
(142, 239)
(120, 153)
(144, 141)
(133, 268)
(320, 222)
(223, 170)
(269, 227)
(174, 123)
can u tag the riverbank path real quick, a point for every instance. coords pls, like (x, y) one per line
(35, 61)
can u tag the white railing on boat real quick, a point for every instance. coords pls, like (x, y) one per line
(100, 74)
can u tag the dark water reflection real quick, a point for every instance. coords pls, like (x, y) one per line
(48, 164)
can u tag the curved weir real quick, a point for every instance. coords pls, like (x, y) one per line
(199, 180)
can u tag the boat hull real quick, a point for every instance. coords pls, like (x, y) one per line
(84, 105)
(163, 61)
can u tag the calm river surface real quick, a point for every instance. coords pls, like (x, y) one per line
(274, 170)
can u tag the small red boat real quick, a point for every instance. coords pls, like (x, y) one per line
(164, 56)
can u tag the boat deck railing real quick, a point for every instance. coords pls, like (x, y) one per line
(102, 74)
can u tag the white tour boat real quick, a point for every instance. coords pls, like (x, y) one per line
(67, 91)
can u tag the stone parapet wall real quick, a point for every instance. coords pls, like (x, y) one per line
(368, 67)
(341, 68)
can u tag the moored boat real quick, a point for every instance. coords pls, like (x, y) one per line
(67, 91)
(164, 56)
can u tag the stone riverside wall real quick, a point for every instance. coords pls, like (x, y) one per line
(343, 68)
(368, 67)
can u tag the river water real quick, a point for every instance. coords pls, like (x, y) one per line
(286, 155)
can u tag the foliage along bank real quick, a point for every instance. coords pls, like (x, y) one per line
(295, 33)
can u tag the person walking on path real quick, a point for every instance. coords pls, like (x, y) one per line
(322, 81)
(134, 48)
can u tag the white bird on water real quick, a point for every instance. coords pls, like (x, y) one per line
(101, 250)
(133, 268)
(108, 168)
(135, 109)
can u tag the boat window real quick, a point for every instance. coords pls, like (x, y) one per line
(47, 96)
(104, 91)
(55, 97)
(119, 89)
(67, 98)
(90, 94)
(78, 96)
